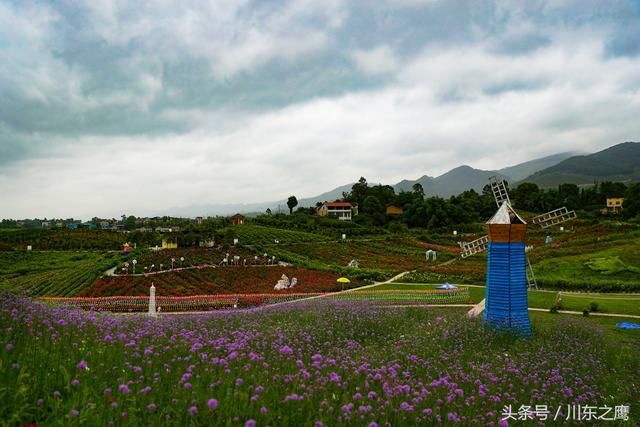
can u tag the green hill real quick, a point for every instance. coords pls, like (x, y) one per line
(618, 163)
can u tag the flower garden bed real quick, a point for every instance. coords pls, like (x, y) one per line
(215, 281)
(215, 302)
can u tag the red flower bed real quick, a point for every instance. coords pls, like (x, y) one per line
(215, 281)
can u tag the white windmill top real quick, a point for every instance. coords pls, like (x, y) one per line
(506, 215)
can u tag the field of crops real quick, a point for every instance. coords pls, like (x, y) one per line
(52, 273)
(211, 281)
(259, 235)
(376, 254)
(185, 257)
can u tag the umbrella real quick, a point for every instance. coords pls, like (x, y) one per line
(447, 285)
(343, 280)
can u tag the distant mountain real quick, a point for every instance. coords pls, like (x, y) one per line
(448, 184)
(451, 183)
(618, 163)
(520, 171)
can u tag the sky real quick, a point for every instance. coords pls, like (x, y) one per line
(113, 107)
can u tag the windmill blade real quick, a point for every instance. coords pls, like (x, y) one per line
(474, 247)
(499, 190)
(554, 217)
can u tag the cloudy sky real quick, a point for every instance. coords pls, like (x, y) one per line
(114, 107)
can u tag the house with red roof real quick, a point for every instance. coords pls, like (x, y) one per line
(343, 211)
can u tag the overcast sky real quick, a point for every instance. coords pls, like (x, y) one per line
(119, 107)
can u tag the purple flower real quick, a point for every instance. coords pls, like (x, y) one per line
(192, 411)
(250, 423)
(263, 410)
(503, 423)
(334, 377)
(56, 394)
(75, 382)
(427, 411)
(151, 407)
(9, 346)
(107, 391)
(124, 389)
(74, 413)
(212, 404)
(373, 424)
(82, 365)
(187, 386)
(286, 350)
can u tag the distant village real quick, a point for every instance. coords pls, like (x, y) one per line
(163, 224)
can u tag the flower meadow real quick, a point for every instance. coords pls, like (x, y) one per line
(322, 363)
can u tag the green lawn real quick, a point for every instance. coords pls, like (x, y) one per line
(625, 337)
(607, 303)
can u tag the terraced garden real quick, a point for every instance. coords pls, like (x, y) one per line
(259, 235)
(213, 281)
(52, 273)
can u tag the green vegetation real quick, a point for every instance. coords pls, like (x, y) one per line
(61, 239)
(52, 273)
(605, 303)
(249, 235)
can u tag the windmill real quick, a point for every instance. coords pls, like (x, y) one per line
(545, 220)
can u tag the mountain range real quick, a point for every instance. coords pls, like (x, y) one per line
(618, 163)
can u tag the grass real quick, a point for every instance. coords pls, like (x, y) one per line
(628, 338)
(607, 303)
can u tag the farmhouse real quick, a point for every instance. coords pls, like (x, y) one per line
(343, 211)
(614, 204)
(237, 219)
(166, 244)
(393, 210)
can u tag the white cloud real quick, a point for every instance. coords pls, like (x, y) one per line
(441, 106)
(380, 60)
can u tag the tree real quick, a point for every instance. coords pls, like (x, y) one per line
(631, 204)
(374, 209)
(418, 189)
(359, 190)
(292, 202)
(130, 223)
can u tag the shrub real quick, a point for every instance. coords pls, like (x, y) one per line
(593, 306)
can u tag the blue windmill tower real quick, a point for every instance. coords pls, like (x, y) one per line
(505, 304)
(506, 291)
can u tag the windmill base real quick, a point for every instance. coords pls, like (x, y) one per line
(506, 291)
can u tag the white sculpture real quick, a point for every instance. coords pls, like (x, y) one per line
(152, 301)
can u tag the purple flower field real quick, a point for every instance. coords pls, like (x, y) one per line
(326, 363)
